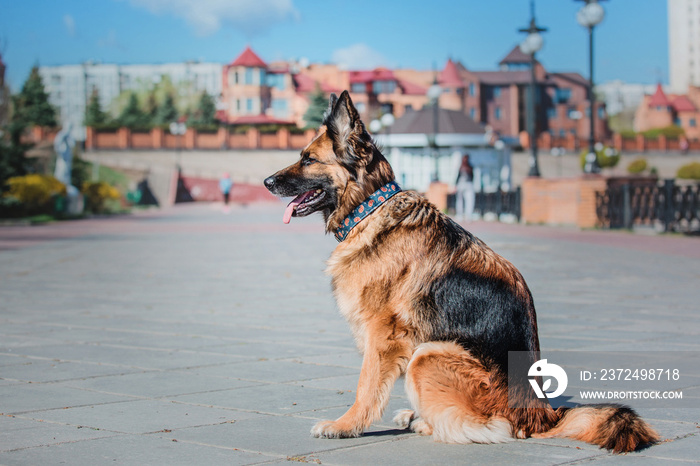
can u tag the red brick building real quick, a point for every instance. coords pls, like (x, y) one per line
(280, 92)
(660, 110)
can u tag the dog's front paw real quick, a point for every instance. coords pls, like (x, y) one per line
(403, 418)
(335, 429)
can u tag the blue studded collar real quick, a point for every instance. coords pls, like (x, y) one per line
(367, 206)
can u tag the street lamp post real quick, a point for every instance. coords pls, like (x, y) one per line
(434, 92)
(530, 46)
(589, 16)
(385, 122)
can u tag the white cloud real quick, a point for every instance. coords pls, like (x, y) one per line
(69, 22)
(208, 16)
(110, 41)
(358, 56)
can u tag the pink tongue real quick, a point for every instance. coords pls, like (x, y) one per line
(289, 211)
(293, 205)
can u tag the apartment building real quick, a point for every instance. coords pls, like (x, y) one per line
(70, 86)
(683, 44)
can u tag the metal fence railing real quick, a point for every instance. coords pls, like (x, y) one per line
(674, 207)
(496, 203)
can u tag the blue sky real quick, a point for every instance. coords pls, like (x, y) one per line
(631, 43)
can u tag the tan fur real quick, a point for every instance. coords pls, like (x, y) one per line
(382, 271)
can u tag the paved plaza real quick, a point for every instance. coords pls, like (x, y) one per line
(189, 335)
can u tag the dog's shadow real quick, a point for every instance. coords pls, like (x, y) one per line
(387, 432)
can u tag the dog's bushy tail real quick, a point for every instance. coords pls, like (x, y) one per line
(615, 427)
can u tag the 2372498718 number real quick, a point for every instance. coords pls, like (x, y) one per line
(639, 374)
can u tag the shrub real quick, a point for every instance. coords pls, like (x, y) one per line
(100, 197)
(671, 132)
(36, 192)
(628, 133)
(690, 171)
(637, 166)
(607, 157)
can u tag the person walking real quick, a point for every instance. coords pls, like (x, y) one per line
(465, 190)
(225, 185)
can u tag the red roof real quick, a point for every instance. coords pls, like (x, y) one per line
(515, 56)
(683, 104)
(305, 83)
(410, 88)
(378, 74)
(450, 76)
(659, 98)
(250, 59)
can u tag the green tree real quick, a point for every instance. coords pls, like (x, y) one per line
(151, 107)
(206, 110)
(32, 105)
(167, 113)
(132, 116)
(12, 162)
(94, 116)
(318, 103)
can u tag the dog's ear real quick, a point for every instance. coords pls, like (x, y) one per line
(344, 124)
(329, 111)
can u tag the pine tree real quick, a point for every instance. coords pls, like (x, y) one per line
(32, 103)
(167, 113)
(94, 116)
(205, 114)
(152, 107)
(318, 103)
(206, 110)
(132, 116)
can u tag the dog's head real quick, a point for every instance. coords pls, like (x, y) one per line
(339, 169)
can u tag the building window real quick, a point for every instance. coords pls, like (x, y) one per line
(276, 81)
(692, 122)
(261, 81)
(249, 75)
(280, 108)
(562, 133)
(238, 105)
(572, 113)
(383, 87)
(249, 105)
(601, 113)
(472, 89)
(552, 113)
(358, 88)
(562, 95)
(497, 113)
(496, 92)
(361, 107)
(472, 113)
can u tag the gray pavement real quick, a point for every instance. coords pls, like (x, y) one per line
(191, 336)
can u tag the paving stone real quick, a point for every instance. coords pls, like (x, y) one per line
(141, 416)
(131, 450)
(37, 397)
(185, 319)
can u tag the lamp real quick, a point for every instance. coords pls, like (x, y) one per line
(589, 16)
(433, 94)
(530, 46)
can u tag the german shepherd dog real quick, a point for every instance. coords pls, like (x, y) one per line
(427, 299)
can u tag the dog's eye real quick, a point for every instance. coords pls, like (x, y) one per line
(308, 161)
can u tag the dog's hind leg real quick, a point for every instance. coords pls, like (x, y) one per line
(451, 392)
(386, 355)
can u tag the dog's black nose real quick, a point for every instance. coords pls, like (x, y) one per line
(269, 182)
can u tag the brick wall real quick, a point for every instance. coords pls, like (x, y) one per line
(561, 201)
(157, 139)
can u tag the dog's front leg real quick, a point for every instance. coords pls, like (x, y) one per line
(385, 358)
